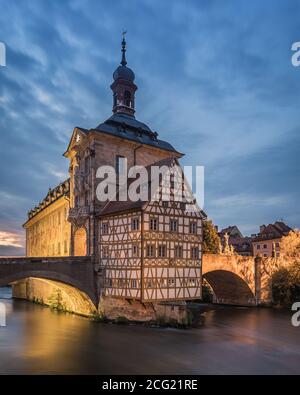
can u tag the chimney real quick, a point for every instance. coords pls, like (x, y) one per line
(262, 228)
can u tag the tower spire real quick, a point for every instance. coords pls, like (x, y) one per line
(123, 62)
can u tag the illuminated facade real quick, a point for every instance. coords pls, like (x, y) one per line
(147, 251)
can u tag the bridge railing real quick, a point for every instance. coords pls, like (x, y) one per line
(62, 259)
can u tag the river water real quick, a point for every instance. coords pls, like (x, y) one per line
(231, 341)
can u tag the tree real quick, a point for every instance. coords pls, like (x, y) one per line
(286, 279)
(211, 240)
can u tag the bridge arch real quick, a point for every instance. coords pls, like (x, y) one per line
(52, 293)
(229, 288)
(72, 276)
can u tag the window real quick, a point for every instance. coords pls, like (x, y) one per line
(162, 251)
(178, 252)
(258, 247)
(171, 282)
(127, 99)
(265, 255)
(135, 250)
(173, 225)
(120, 164)
(153, 224)
(165, 204)
(133, 284)
(193, 228)
(164, 282)
(192, 282)
(105, 252)
(182, 206)
(265, 246)
(115, 99)
(86, 164)
(86, 198)
(149, 283)
(277, 245)
(109, 282)
(194, 253)
(135, 224)
(150, 251)
(105, 228)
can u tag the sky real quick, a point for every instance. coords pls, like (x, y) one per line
(215, 79)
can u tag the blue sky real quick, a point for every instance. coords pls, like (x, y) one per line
(215, 79)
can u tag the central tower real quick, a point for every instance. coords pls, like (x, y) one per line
(123, 86)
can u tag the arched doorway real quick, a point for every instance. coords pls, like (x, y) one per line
(80, 240)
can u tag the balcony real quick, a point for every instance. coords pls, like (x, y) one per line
(78, 212)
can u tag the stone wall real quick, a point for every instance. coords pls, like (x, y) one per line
(164, 312)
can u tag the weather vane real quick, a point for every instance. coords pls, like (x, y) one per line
(123, 33)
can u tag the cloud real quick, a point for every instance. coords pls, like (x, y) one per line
(215, 79)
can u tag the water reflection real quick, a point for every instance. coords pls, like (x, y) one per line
(232, 340)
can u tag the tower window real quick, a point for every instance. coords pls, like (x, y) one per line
(127, 99)
(120, 164)
(115, 99)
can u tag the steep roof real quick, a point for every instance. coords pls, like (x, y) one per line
(273, 231)
(114, 207)
(129, 128)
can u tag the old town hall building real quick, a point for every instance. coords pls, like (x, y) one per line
(144, 250)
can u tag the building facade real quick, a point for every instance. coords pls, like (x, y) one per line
(143, 250)
(267, 242)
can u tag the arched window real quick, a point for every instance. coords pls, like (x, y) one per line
(127, 99)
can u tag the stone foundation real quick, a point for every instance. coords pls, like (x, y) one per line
(45, 292)
(163, 312)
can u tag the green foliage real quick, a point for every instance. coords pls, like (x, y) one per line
(99, 317)
(207, 295)
(286, 285)
(56, 301)
(211, 240)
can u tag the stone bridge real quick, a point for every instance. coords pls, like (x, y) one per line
(236, 279)
(74, 276)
